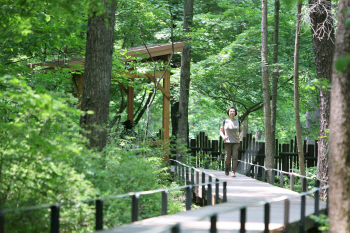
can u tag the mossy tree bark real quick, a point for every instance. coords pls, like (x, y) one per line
(185, 78)
(266, 89)
(97, 74)
(275, 76)
(323, 42)
(296, 92)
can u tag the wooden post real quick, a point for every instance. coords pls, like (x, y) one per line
(78, 88)
(130, 101)
(166, 113)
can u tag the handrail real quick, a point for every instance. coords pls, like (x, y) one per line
(135, 198)
(213, 216)
(291, 175)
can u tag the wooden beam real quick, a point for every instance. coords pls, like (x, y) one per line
(155, 50)
(130, 101)
(133, 75)
(74, 76)
(80, 89)
(165, 92)
(121, 86)
(166, 114)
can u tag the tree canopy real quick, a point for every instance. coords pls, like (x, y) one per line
(42, 145)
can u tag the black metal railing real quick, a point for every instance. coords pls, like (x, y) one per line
(183, 173)
(267, 204)
(249, 169)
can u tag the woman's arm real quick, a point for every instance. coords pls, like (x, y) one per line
(222, 134)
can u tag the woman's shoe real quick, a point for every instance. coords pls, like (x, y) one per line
(233, 174)
(227, 172)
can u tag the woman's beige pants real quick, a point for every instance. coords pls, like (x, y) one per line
(231, 150)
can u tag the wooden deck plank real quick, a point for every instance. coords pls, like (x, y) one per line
(241, 191)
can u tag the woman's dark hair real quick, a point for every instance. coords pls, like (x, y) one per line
(228, 110)
(128, 124)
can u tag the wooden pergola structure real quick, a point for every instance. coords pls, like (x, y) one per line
(158, 52)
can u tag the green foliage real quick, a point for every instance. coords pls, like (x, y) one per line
(41, 29)
(40, 145)
(44, 159)
(342, 63)
(40, 148)
(323, 221)
(311, 172)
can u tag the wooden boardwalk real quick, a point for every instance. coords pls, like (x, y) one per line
(241, 191)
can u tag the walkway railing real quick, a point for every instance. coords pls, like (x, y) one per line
(267, 204)
(183, 173)
(191, 175)
(250, 168)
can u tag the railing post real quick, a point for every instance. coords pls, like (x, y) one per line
(183, 173)
(175, 228)
(286, 214)
(187, 175)
(224, 191)
(217, 191)
(2, 221)
(209, 196)
(188, 197)
(164, 210)
(302, 213)
(263, 175)
(203, 186)
(266, 217)
(55, 218)
(197, 183)
(291, 181)
(213, 220)
(272, 177)
(176, 173)
(256, 170)
(281, 179)
(192, 175)
(317, 201)
(243, 219)
(135, 207)
(304, 184)
(99, 215)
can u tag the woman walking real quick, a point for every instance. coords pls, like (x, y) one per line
(229, 131)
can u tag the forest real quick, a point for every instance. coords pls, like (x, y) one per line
(276, 61)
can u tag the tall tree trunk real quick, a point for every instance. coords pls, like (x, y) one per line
(339, 141)
(245, 128)
(323, 36)
(266, 89)
(185, 77)
(275, 76)
(97, 74)
(296, 92)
